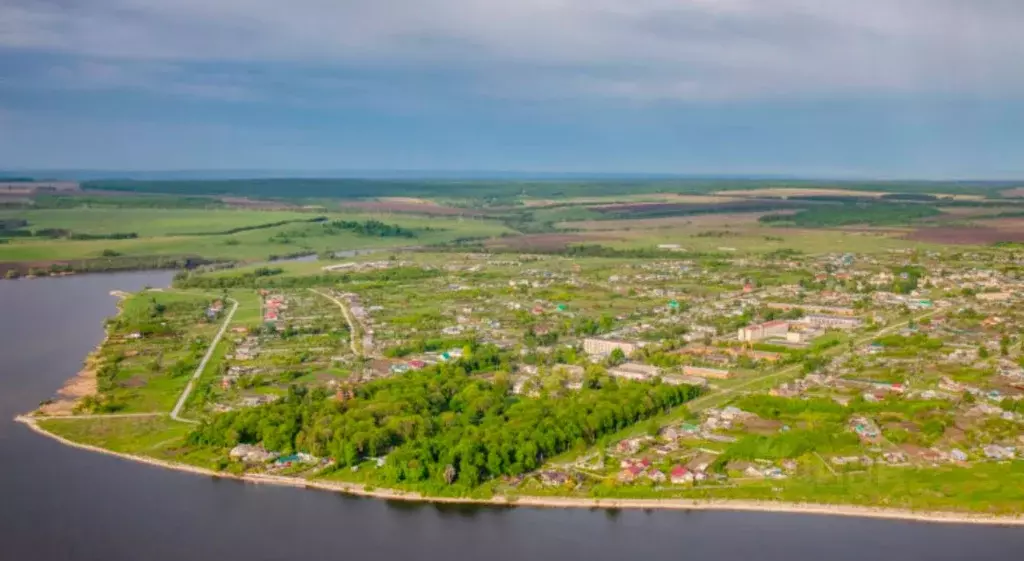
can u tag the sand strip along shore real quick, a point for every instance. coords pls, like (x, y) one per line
(82, 384)
(566, 502)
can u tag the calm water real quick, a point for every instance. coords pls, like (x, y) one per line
(61, 503)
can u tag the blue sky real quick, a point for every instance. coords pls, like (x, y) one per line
(827, 88)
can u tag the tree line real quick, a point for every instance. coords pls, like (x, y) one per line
(271, 277)
(373, 228)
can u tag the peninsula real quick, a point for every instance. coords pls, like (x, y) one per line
(685, 351)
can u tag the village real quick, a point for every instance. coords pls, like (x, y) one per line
(827, 365)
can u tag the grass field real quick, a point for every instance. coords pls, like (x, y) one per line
(158, 437)
(162, 233)
(740, 232)
(147, 222)
(758, 240)
(695, 221)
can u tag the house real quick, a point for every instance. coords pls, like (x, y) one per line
(864, 428)
(894, 457)
(554, 478)
(680, 475)
(251, 454)
(731, 413)
(993, 296)
(629, 446)
(630, 473)
(656, 475)
(995, 452)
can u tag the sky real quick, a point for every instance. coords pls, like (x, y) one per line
(929, 89)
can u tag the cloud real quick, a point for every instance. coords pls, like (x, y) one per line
(153, 77)
(645, 50)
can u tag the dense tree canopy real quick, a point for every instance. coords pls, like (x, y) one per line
(443, 416)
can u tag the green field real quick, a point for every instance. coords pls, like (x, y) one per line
(147, 222)
(165, 233)
(158, 437)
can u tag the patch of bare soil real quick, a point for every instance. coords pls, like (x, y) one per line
(409, 207)
(654, 210)
(74, 390)
(1015, 192)
(255, 204)
(716, 220)
(799, 192)
(966, 235)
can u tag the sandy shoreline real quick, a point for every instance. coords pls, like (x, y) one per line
(559, 502)
(84, 383)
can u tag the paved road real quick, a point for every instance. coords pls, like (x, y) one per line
(176, 412)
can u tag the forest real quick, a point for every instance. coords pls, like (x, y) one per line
(443, 427)
(884, 214)
(374, 228)
(498, 190)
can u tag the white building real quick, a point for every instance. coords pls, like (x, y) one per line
(832, 322)
(766, 330)
(594, 346)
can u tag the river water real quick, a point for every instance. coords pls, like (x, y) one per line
(62, 503)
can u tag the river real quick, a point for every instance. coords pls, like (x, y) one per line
(61, 503)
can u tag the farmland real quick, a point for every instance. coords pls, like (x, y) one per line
(130, 225)
(112, 235)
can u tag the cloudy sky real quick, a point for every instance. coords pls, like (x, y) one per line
(866, 88)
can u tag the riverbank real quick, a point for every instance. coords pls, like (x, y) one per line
(84, 383)
(559, 502)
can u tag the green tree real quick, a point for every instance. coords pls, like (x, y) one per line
(616, 357)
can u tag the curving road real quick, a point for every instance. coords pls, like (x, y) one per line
(353, 332)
